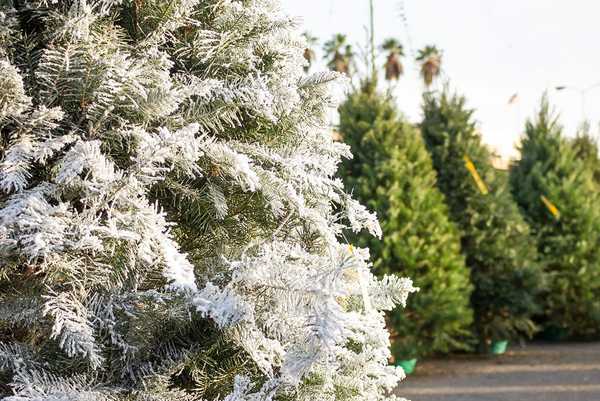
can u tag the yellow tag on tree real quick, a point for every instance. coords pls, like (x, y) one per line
(550, 206)
(471, 167)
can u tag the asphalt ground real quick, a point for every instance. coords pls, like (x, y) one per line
(536, 372)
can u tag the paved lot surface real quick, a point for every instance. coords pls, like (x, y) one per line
(538, 372)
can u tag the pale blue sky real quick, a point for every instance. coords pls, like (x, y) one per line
(492, 49)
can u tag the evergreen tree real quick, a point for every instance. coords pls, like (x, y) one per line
(495, 240)
(391, 172)
(169, 211)
(587, 149)
(553, 184)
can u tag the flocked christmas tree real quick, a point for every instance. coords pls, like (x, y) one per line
(391, 173)
(495, 239)
(169, 212)
(553, 183)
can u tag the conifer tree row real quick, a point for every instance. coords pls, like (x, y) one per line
(170, 218)
(496, 241)
(553, 183)
(391, 173)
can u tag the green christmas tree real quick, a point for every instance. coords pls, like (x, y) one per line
(391, 173)
(587, 149)
(495, 239)
(554, 186)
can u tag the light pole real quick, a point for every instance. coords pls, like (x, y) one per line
(582, 93)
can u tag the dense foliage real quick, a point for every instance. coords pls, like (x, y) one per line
(568, 239)
(587, 149)
(391, 172)
(495, 239)
(169, 212)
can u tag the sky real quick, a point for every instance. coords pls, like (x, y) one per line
(492, 50)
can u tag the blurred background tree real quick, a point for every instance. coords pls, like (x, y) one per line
(393, 64)
(392, 174)
(430, 60)
(309, 53)
(495, 239)
(339, 54)
(585, 144)
(557, 170)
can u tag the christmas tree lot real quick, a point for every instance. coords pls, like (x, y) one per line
(495, 239)
(391, 173)
(554, 184)
(170, 217)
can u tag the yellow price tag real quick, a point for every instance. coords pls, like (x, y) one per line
(550, 206)
(476, 177)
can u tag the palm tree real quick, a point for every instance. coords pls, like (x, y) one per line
(309, 53)
(393, 65)
(348, 58)
(338, 61)
(430, 58)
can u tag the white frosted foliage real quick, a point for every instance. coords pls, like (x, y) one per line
(171, 223)
(13, 100)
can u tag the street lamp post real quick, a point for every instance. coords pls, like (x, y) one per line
(582, 93)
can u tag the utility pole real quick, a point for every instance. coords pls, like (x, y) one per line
(372, 37)
(582, 93)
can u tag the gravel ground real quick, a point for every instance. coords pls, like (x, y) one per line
(537, 372)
